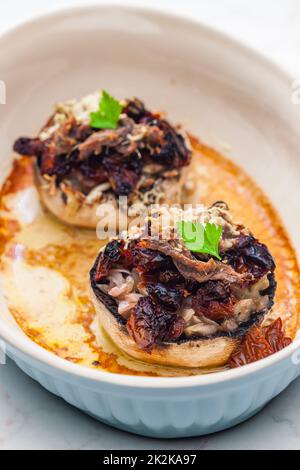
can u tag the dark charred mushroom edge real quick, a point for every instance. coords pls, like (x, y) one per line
(78, 166)
(171, 280)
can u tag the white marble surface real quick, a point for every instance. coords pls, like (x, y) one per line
(32, 418)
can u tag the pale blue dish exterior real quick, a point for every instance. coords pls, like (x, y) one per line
(166, 412)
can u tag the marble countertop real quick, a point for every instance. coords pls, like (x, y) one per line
(32, 418)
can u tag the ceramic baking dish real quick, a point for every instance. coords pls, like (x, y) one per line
(219, 90)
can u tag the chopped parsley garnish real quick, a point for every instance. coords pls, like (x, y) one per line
(108, 113)
(201, 238)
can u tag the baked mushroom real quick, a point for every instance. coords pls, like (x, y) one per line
(93, 151)
(166, 300)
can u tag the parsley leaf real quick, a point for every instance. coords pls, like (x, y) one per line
(108, 113)
(201, 238)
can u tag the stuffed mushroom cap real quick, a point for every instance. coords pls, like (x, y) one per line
(164, 303)
(79, 167)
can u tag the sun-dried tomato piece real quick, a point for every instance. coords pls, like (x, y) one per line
(275, 335)
(173, 151)
(259, 343)
(249, 255)
(28, 146)
(146, 260)
(126, 258)
(92, 168)
(176, 330)
(123, 173)
(150, 324)
(112, 254)
(253, 347)
(135, 109)
(171, 276)
(171, 297)
(123, 181)
(115, 155)
(214, 300)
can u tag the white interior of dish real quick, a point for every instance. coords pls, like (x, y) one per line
(228, 96)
